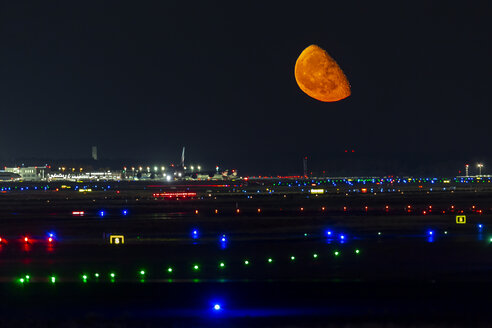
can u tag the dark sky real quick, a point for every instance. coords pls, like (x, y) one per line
(142, 79)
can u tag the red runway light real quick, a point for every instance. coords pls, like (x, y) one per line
(50, 240)
(26, 239)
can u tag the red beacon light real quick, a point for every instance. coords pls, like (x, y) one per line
(51, 238)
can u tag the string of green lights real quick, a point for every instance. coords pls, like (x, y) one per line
(142, 273)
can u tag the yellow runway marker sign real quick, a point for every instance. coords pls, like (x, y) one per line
(461, 219)
(117, 239)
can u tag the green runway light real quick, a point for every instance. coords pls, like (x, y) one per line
(292, 258)
(53, 279)
(305, 235)
(379, 233)
(490, 240)
(21, 280)
(336, 253)
(315, 255)
(221, 264)
(27, 277)
(270, 260)
(445, 232)
(196, 267)
(170, 270)
(112, 275)
(142, 272)
(96, 275)
(84, 277)
(357, 251)
(246, 262)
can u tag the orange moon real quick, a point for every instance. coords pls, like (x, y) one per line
(319, 75)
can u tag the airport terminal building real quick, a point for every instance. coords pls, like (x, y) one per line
(31, 173)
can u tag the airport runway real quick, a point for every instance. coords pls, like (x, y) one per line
(298, 262)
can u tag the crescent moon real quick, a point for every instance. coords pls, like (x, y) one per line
(319, 76)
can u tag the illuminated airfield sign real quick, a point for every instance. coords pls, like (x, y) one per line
(116, 239)
(461, 219)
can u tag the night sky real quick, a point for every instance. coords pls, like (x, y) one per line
(143, 79)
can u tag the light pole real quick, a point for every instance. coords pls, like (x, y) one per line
(480, 165)
(466, 169)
